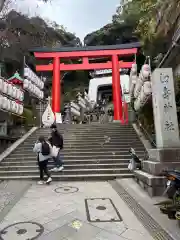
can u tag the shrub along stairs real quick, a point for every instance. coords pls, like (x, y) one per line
(97, 151)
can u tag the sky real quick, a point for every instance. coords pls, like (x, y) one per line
(78, 16)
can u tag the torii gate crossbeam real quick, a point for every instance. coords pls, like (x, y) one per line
(86, 53)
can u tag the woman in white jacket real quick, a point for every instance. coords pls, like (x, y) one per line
(44, 153)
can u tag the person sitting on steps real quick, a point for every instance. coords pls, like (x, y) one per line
(56, 141)
(44, 153)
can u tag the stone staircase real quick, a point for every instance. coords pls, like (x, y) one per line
(91, 152)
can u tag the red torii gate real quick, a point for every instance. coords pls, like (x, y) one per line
(86, 53)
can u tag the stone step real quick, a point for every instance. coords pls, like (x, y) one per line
(66, 162)
(74, 157)
(89, 142)
(84, 150)
(120, 138)
(27, 167)
(82, 177)
(68, 171)
(92, 144)
(85, 153)
(92, 132)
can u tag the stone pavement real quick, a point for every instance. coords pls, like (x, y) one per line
(10, 193)
(72, 211)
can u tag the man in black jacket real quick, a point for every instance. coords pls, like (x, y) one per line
(56, 141)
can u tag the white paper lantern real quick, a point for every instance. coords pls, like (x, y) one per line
(75, 112)
(42, 95)
(146, 70)
(4, 103)
(20, 110)
(1, 84)
(17, 108)
(8, 106)
(30, 88)
(26, 72)
(147, 88)
(14, 92)
(26, 83)
(42, 84)
(21, 96)
(146, 67)
(9, 89)
(18, 93)
(134, 79)
(134, 69)
(13, 106)
(1, 101)
(5, 87)
(36, 90)
(142, 94)
(138, 88)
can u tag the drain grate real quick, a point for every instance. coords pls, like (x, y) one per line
(156, 231)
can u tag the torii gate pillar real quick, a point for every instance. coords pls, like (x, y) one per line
(116, 86)
(56, 86)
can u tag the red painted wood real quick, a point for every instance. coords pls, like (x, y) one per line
(83, 66)
(98, 53)
(56, 86)
(116, 86)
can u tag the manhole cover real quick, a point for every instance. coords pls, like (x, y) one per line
(102, 208)
(66, 189)
(25, 231)
(94, 206)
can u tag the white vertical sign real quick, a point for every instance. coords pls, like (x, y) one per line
(164, 107)
(48, 117)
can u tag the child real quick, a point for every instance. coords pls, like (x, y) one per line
(43, 149)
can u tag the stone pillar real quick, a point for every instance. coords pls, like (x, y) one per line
(167, 152)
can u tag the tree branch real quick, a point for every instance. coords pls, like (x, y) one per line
(2, 2)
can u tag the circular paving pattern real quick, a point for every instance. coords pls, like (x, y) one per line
(66, 189)
(102, 208)
(25, 230)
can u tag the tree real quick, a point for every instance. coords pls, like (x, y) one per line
(3, 2)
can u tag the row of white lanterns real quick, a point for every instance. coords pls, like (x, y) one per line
(11, 90)
(32, 88)
(31, 76)
(140, 86)
(10, 105)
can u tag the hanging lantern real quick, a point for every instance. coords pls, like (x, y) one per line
(4, 103)
(8, 106)
(17, 108)
(134, 68)
(18, 93)
(13, 106)
(26, 84)
(42, 95)
(42, 84)
(5, 87)
(20, 110)
(147, 88)
(1, 101)
(1, 84)
(26, 72)
(9, 90)
(14, 92)
(146, 71)
(75, 112)
(21, 96)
